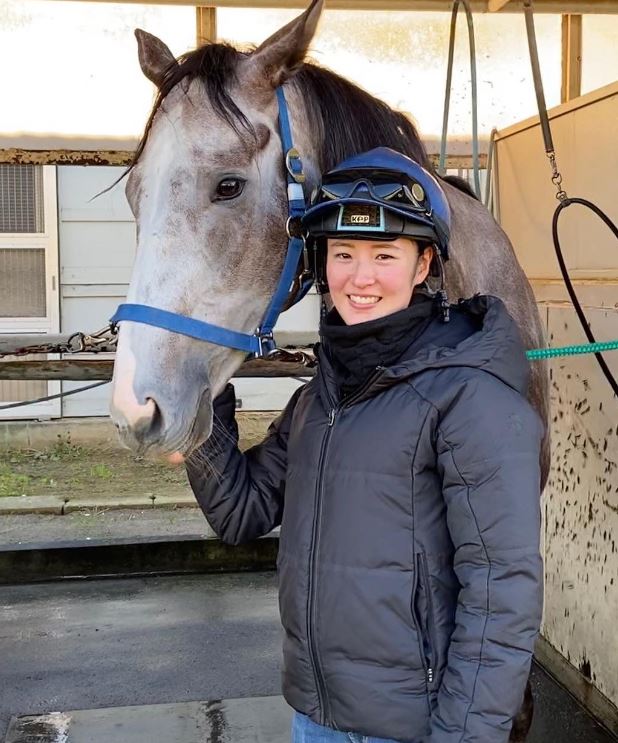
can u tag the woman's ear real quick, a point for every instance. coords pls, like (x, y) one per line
(423, 264)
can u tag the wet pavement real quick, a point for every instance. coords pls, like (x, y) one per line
(251, 720)
(96, 644)
(112, 643)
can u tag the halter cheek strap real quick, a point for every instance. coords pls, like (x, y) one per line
(259, 343)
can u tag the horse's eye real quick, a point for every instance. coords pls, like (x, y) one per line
(229, 188)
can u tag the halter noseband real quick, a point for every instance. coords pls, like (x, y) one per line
(259, 343)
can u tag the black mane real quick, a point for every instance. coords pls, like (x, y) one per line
(352, 121)
(348, 119)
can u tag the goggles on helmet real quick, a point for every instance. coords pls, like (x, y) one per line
(366, 201)
(380, 187)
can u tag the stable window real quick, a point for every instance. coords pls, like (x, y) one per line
(22, 265)
(28, 273)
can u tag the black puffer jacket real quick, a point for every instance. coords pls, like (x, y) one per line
(410, 573)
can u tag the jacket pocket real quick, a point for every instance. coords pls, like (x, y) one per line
(423, 616)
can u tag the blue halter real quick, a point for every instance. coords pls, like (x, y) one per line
(259, 343)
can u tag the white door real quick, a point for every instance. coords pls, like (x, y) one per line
(28, 274)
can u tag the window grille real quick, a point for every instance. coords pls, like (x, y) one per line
(22, 282)
(21, 198)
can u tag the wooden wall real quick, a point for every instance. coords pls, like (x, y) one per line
(581, 501)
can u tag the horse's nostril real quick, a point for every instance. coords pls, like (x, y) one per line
(149, 422)
(156, 416)
(156, 420)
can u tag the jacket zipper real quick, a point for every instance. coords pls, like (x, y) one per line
(315, 544)
(311, 602)
(429, 660)
(416, 620)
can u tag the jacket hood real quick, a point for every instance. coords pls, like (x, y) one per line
(494, 346)
(481, 334)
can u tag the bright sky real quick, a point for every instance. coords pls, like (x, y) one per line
(71, 67)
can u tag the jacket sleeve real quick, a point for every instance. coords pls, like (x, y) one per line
(241, 494)
(488, 445)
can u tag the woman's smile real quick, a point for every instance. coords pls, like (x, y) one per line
(363, 300)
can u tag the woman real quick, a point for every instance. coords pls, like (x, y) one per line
(405, 478)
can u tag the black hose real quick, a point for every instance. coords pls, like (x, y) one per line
(565, 275)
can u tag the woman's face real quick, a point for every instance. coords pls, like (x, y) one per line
(368, 279)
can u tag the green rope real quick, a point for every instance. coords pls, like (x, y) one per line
(548, 353)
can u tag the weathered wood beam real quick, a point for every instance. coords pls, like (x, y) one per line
(571, 57)
(205, 24)
(19, 156)
(15, 156)
(459, 162)
(67, 369)
(85, 370)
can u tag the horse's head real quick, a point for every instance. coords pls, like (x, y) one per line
(208, 192)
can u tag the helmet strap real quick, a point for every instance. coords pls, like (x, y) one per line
(441, 295)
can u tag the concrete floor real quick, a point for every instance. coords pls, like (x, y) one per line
(38, 528)
(113, 643)
(248, 720)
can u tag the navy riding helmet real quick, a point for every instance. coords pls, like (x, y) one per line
(377, 193)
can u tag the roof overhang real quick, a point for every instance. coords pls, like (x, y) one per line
(478, 6)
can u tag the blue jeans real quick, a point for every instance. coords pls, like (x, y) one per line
(305, 730)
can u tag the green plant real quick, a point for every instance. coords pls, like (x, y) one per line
(11, 483)
(64, 450)
(102, 471)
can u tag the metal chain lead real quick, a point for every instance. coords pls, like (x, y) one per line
(102, 341)
(556, 177)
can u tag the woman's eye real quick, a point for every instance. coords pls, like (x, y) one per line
(229, 188)
(342, 255)
(384, 256)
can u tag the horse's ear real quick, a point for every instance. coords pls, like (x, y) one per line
(155, 58)
(280, 55)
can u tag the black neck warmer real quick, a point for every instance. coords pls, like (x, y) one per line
(356, 350)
